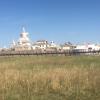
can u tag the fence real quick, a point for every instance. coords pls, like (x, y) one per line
(66, 53)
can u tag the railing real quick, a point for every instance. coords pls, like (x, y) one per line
(66, 53)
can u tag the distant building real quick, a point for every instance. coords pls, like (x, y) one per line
(88, 47)
(23, 42)
(54, 45)
(40, 44)
(67, 46)
(82, 47)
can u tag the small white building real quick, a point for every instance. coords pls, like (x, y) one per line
(67, 46)
(88, 47)
(82, 47)
(40, 44)
(54, 46)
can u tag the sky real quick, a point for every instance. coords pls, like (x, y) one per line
(77, 21)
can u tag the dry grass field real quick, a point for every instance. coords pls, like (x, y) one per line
(50, 78)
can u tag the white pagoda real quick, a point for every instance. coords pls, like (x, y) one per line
(23, 42)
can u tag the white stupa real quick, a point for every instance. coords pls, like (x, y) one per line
(24, 40)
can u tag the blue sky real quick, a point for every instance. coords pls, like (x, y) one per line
(58, 20)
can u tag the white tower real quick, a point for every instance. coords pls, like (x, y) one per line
(24, 40)
(13, 43)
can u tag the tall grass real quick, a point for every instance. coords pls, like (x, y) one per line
(50, 78)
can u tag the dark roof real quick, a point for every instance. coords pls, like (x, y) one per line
(42, 41)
